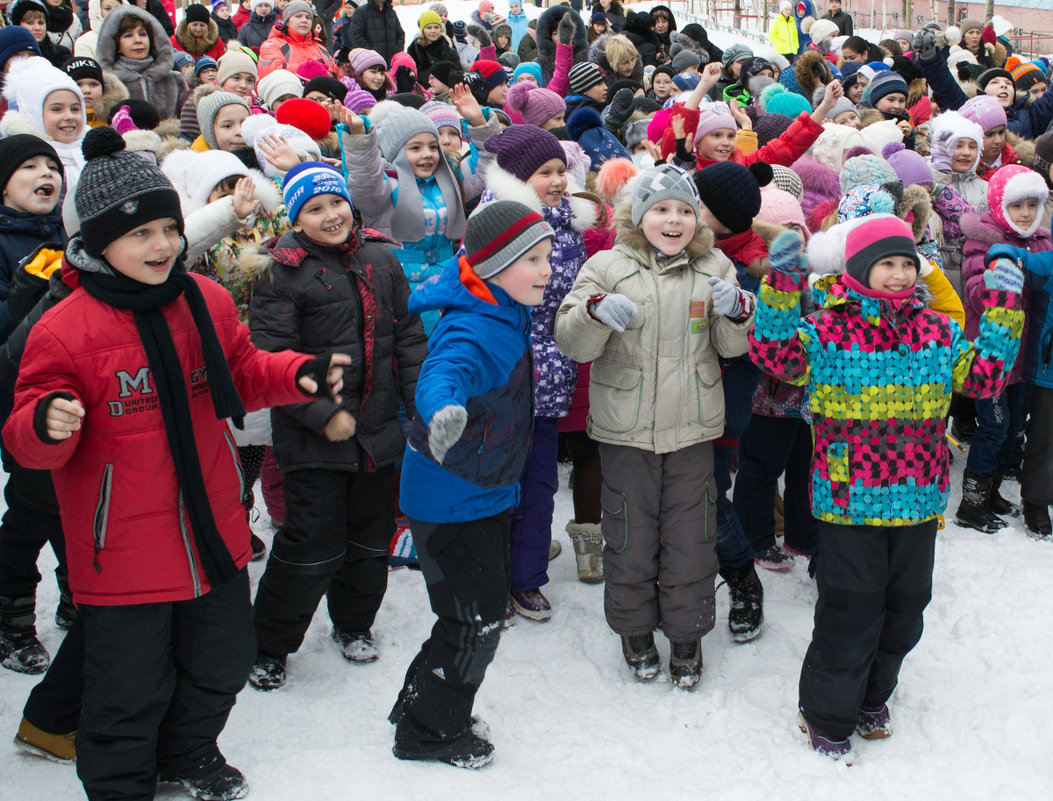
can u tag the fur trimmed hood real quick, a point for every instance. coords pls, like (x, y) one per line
(916, 201)
(691, 45)
(812, 71)
(505, 186)
(106, 47)
(598, 55)
(197, 47)
(701, 243)
(113, 92)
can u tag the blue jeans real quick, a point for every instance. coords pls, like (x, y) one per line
(998, 441)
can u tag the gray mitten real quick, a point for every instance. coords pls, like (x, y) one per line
(479, 34)
(446, 427)
(925, 45)
(728, 299)
(614, 311)
(565, 30)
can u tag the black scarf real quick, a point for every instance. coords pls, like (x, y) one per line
(145, 302)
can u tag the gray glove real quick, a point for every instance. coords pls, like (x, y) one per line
(728, 299)
(565, 29)
(480, 35)
(925, 45)
(446, 427)
(614, 311)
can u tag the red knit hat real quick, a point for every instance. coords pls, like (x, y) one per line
(492, 72)
(880, 236)
(309, 116)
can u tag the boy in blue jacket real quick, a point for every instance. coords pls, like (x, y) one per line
(467, 448)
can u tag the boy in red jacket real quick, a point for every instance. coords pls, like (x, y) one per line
(124, 393)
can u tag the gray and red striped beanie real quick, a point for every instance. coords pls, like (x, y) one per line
(518, 228)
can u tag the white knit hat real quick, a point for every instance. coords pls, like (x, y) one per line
(276, 84)
(30, 81)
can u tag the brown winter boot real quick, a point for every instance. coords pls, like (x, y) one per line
(56, 747)
(588, 550)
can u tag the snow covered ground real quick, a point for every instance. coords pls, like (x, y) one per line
(972, 714)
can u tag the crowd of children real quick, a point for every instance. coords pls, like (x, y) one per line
(445, 260)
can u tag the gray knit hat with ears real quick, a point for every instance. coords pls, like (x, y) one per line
(664, 182)
(399, 127)
(207, 109)
(295, 7)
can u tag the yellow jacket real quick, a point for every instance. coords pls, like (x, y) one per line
(783, 35)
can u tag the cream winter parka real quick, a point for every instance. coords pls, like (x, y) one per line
(656, 386)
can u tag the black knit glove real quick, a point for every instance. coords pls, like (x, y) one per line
(620, 110)
(316, 369)
(565, 29)
(479, 34)
(405, 80)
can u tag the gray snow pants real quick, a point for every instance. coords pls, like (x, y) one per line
(659, 531)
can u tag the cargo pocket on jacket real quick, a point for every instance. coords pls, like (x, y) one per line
(102, 514)
(840, 477)
(615, 393)
(709, 394)
(615, 526)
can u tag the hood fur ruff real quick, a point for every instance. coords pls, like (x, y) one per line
(701, 243)
(807, 69)
(917, 200)
(506, 186)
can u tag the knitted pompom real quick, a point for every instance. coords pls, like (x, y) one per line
(892, 147)
(882, 202)
(516, 99)
(762, 172)
(953, 34)
(101, 141)
(769, 92)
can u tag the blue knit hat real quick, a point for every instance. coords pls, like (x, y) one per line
(528, 68)
(204, 63)
(887, 83)
(16, 39)
(586, 128)
(310, 179)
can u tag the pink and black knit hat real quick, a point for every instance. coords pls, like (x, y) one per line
(1008, 185)
(879, 237)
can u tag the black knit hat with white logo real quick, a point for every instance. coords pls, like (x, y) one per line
(118, 191)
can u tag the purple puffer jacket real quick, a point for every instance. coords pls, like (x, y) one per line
(556, 374)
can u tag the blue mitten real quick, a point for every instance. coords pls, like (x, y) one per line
(785, 254)
(1004, 276)
(1002, 252)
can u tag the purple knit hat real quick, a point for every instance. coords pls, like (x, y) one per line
(714, 117)
(359, 100)
(534, 104)
(362, 60)
(771, 126)
(985, 111)
(522, 149)
(909, 166)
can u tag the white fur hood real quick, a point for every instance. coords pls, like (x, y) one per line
(505, 186)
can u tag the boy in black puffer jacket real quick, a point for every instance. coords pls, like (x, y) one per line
(330, 285)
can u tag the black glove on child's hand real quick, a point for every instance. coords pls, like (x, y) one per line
(621, 109)
(315, 369)
(405, 80)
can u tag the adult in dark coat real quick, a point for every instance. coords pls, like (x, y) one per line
(640, 31)
(840, 18)
(546, 48)
(375, 26)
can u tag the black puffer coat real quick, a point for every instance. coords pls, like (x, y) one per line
(376, 29)
(316, 299)
(546, 49)
(425, 57)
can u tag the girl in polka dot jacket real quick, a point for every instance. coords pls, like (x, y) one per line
(880, 369)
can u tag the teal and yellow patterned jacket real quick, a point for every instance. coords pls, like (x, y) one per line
(880, 374)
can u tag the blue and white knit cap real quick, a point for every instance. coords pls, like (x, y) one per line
(310, 179)
(664, 182)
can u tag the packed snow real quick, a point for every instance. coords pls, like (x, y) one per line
(971, 716)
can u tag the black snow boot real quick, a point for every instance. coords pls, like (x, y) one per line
(685, 664)
(996, 503)
(20, 650)
(1036, 520)
(973, 512)
(268, 672)
(226, 783)
(641, 656)
(746, 601)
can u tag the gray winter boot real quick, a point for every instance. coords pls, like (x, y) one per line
(588, 550)
(20, 650)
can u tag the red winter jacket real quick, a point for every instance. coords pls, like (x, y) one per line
(790, 146)
(126, 533)
(284, 50)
